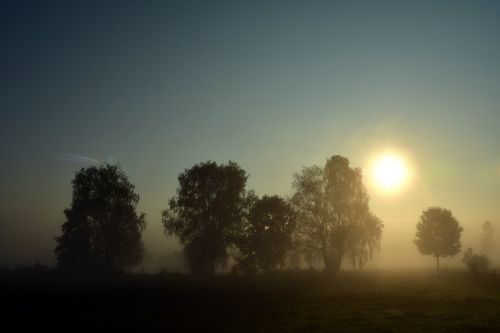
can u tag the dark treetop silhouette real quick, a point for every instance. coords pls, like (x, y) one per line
(438, 234)
(102, 231)
(266, 235)
(207, 212)
(334, 219)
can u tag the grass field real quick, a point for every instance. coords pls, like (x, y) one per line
(293, 302)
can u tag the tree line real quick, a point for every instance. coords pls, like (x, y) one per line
(216, 218)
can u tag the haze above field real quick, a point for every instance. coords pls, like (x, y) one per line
(158, 87)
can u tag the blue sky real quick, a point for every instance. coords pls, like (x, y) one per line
(159, 86)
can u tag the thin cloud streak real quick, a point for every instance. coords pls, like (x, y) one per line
(68, 157)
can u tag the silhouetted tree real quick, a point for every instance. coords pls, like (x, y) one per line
(266, 235)
(207, 212)
(438, 234)
(102, 231)
(475, 263)
(487, 238)
(334, 218)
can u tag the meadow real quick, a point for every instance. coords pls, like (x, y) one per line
(386, 301)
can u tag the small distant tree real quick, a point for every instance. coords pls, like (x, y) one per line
(207, 212)
(102, 231)
(475, 263)
(487, 238)
(266, 236)
(334, 219)
(438, 234)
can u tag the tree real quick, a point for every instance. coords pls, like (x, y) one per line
(438, 234)
(206, 213)
(266, 235)
(334, 219)
(102, 231)
(487, 238)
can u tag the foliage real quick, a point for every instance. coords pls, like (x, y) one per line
(266, 235)
(475, 263)
(438, 233)
(206, 213)
(334, 219)
(364, 240)
(102, 229)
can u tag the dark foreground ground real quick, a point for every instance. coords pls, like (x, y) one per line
(302, 302)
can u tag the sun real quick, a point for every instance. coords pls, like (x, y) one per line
(389, 172)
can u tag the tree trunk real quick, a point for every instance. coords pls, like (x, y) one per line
(337, 262)
(330, 271)
(437, 263)
(332, 266)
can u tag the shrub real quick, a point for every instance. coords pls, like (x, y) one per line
(476, 263)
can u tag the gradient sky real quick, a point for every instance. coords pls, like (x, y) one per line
(158, 86)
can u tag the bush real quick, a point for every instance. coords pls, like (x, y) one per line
(476, 263)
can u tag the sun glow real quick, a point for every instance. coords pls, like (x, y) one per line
(389, 172)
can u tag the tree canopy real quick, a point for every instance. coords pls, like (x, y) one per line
(266, 235)
(334, 218)
(438, 233)
(206, 213)
(102, 231)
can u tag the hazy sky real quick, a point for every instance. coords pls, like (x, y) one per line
(159, 86)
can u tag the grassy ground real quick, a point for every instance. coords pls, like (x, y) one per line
(302, 302)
